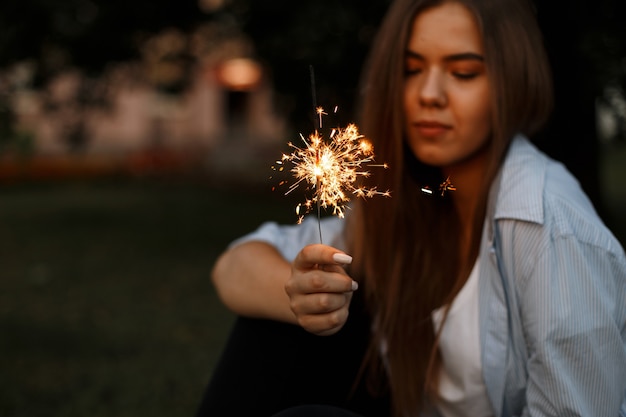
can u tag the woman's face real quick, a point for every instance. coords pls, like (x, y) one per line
(447, 101)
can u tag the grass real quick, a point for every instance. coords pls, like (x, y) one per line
(106, 307)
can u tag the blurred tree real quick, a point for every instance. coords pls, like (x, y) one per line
(86, 34)
(586, 41)
(585, 45)
(332, 37)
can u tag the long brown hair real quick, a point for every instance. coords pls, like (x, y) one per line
(406, 248)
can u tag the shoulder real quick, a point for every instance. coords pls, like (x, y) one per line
(542, 196)
(544, 221)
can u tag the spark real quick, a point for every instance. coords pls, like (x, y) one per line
(320, 112)
(446, 186)
(331, 169)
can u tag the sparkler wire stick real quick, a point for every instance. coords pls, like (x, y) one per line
(315, 109)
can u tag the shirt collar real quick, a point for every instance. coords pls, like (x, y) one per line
(520, 185)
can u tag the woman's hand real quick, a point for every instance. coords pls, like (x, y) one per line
(319, 289)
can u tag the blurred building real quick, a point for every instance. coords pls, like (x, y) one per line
(227, 101)
(198, 95)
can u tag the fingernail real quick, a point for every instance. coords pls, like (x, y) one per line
(355, 285)
(342, 258)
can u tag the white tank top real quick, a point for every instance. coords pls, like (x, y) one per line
(461, 387)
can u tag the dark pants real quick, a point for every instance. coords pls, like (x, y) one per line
(316, 411)
(267, 367)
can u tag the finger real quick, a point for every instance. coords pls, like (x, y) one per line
(338, 269)
(318, 254)
(332, 268)
(320, 281)
(319, 303)
(324, 324)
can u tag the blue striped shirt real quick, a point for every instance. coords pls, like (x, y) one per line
(552, 296)
(552, 292)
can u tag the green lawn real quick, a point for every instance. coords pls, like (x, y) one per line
(106, 307)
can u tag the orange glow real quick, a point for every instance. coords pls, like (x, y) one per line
(240, 74)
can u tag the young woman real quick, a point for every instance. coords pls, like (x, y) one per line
(504, 297)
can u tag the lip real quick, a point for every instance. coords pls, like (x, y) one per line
(431, 128)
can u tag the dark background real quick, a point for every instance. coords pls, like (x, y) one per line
(106, 307)
(586, 41)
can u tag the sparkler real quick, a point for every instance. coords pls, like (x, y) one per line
(331, 169)
(446, 185)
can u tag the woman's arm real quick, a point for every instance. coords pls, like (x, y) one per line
(254, 280)
(250, 280)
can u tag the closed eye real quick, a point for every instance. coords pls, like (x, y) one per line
(464, 76)
(412, 71)
(413, 64)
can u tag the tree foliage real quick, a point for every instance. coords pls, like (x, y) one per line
(332, 37)
(586, 40)
(87, 34)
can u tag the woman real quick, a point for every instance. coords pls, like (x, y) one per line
(504, 297)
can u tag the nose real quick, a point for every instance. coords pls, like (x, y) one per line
(432, 92)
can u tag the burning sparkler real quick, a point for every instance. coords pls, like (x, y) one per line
(446, 185)
(331, 168)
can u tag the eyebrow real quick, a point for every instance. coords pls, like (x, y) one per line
(450, 58)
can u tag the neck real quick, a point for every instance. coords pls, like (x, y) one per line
(468, 178)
